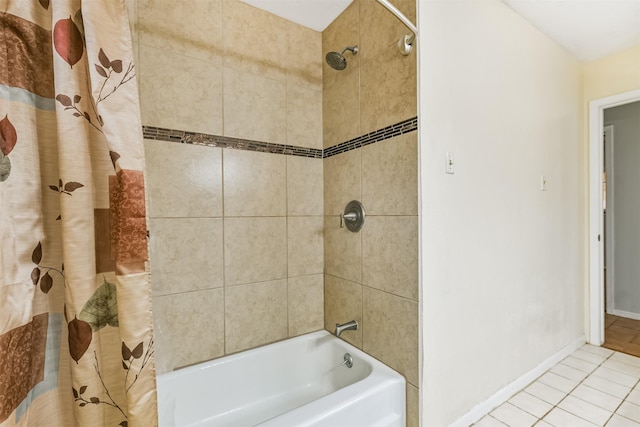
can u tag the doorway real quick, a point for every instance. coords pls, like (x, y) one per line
(621, 210)
(601, 253)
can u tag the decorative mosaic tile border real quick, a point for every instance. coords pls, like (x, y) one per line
(186, 137)
(400, 128)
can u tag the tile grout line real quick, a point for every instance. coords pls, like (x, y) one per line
(578, 385)
(586, 385)
(565, 396)
(624, 400)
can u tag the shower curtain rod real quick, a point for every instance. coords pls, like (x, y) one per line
(406, 43)
(399, 15)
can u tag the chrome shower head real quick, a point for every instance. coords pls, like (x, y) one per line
(337, 61)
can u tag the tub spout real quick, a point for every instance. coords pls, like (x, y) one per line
(352, 325)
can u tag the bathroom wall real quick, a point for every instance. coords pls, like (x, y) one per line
(236, 235)
(502, 261)
(372, 276)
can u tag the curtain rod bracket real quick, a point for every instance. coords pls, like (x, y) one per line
(405, 44)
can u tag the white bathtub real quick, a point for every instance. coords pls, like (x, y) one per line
(297, 382)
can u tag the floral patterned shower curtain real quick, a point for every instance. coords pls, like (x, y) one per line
(76, 343)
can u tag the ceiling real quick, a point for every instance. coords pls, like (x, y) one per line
(314, 14)
(589, 29)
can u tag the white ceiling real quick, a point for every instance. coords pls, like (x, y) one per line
(314, 14)
(589, 29)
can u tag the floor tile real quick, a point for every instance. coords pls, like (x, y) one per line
(627, 323)
(585, 410)
(558, 382)
(633, 348)
(603, 384)
(622, 334)
(597, 397)
(583, 365)
(569, 372)
(622, 367)
(559, 418)
(594, 386)
(615, 376)
(545, 392)
(619, 421)
(531, 404)
(629, 410)
(489, 421)
(614, 343)
(609, 320)
(634, 396)
(589, 356)
(597, 350)
(625, 358)
(512, 416)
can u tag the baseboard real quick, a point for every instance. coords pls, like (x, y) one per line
(627, 314)
(504, 394)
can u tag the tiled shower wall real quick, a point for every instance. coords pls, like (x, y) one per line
(236, 236)
(240, 240)
(372, 276)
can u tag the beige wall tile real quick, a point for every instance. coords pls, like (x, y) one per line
(381, 29)
(254, 40)
(342, 181)
(306, 304)
(194, 31)
(341, 108)
(388, 89)
(183, 180)
(390, 176)
(306, 245)
(255, 314)
(189, 328)
(342, 250)
(255, 184)
(390, 331)
(254, 107)
(390, 254)
(305, 195)
(342, 32)
(186, 254)
(304, 68)
(179, 92)
(255, 250)
(304, 116)
(413, 406)
(343, 303)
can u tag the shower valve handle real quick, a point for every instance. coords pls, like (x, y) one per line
(351, 216)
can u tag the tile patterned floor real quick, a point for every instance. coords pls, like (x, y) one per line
(622, 334)
(593, 386)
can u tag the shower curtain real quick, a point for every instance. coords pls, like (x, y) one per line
(76, 336)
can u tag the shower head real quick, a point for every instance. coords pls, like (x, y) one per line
(337, 61)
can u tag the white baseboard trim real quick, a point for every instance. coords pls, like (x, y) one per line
(504, 394)
(627, 314)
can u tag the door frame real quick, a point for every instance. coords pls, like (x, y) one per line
(609, 220)
(596, 217)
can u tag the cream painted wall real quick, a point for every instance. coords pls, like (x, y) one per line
(615, 74)
(502, 261)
